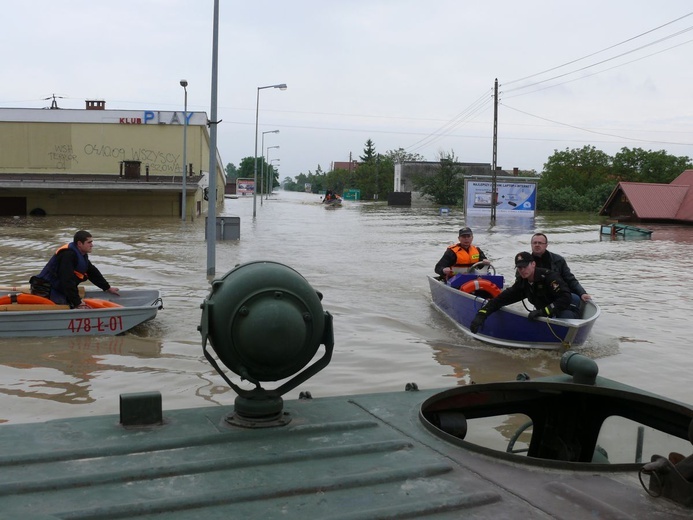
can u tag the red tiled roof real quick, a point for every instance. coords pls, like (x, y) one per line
(654, 201)
(685, 211)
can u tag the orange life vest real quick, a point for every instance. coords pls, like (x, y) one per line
(465, 259)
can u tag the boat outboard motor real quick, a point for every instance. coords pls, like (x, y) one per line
(265, 323)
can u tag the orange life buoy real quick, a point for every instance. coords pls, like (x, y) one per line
(99, 304)
(24, 298)
(481, 285)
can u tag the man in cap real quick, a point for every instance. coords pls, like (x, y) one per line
(458, 258)
(545, 289)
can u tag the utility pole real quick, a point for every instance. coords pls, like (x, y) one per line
(494, 191)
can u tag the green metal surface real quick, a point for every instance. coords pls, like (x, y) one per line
(359, 457)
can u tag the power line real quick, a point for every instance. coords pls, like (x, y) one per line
(599, 52)
(479, 104)
(594, 131)
(606, 60)
(601, 71)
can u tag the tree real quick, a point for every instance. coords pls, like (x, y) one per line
(445, 184)
(246, 169)
(369, 154)
(638, 165)
(231, 173)
(400, 155)
(577, 168)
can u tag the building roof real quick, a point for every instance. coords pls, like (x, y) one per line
(685, 211)
(651, 201)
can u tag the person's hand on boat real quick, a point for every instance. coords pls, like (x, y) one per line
(113, 290)
(478, 321)
(536, 313)
(585, 297)
(447, 271)
(83, 306)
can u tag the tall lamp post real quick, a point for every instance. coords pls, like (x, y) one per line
(280, 86)
(268, 169)
(262, 164)
(184, 84)
(270, 173)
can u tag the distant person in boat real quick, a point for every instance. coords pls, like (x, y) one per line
(66, 269)
(329, 195)
(544, 289)
(460, 257)
(548, 260)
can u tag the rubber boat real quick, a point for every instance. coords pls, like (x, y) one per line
(463, 295)
(334, 202)
(27, 315)
(570, 446)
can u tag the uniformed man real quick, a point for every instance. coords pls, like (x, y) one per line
(545, 289)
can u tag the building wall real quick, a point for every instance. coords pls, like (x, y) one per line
(55, 143)
(84, 148)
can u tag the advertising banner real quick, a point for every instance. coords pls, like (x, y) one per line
(513, 198)
(245, 186)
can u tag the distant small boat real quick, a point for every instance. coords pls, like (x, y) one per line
(334, 202)
(623, 232)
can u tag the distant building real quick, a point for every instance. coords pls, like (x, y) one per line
(95, 161)
(650, 202)
(350, 166)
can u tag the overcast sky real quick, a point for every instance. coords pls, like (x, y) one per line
(406, 74)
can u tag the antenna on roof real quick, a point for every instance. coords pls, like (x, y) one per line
(54, 103)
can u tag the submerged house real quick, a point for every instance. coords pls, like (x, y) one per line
(100, 162)
(649, 202)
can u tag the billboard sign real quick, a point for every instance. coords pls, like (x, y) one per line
(517, 198)
(245, 186)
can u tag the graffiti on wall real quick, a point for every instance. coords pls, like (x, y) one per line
(62, 156)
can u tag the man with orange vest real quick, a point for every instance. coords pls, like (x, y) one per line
(66, 269)
(460, 257)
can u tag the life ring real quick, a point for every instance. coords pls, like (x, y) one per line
(481, 287)
(24, 298)
(99, 304)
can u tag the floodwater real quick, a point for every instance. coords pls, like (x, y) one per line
(370, 261)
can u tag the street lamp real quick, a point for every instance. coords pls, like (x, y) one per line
(262, 165)
(184, 84)
(269, 188)
(280, 86)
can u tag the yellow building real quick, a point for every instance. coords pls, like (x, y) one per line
(104, 162)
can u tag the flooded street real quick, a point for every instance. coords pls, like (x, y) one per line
(370, 261)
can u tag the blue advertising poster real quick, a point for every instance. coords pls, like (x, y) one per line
(514, 198)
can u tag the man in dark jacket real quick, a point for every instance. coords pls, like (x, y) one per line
(548, 260)
(544, 289)
(69, 267)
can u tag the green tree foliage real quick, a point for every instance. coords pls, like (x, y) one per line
(445, 184)
(638, 165)
(290, 184)
(582, 179)
(231, 173)
(369, 154)
(577, 168)
(400, 155)
(246, 170)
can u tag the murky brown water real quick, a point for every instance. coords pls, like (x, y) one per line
(370, 261)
